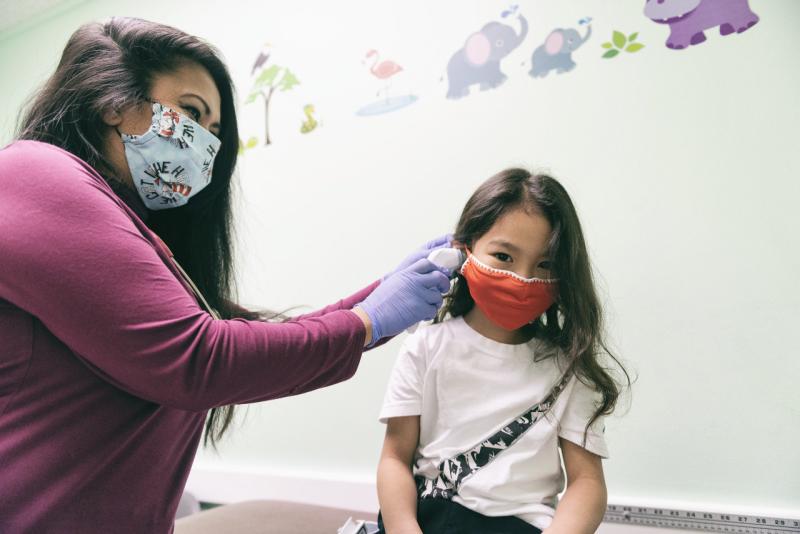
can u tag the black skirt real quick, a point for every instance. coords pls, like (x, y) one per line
(442, 516)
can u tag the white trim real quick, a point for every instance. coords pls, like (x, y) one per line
(480, 265)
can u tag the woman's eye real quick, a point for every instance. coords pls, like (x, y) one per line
(194, 113)
(547, 265)
(502, 256)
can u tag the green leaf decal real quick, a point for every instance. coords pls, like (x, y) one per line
(619, 39)
(611, 53)
(634, 47)
(288, 81)
(252, 97)
(268, 76)
(607, 45)
(632, 37)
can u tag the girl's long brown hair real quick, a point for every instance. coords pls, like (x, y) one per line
(111, 66)
(573, 324)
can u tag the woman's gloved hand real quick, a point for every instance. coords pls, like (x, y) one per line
(422, 252)
(405, 297)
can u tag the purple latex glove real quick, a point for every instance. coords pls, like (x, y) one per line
(422, 252)
(404, 298)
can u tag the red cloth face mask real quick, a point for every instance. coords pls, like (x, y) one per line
(507, 299)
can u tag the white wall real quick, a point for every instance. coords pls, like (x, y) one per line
(683, 166)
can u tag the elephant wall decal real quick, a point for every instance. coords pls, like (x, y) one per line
(688, 19)
(556, 51)
(478, 61)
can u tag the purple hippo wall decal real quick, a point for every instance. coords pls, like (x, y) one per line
(688, 19)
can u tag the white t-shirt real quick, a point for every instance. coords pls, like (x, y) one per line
(465, 387)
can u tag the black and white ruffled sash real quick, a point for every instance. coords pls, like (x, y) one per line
(454, 471)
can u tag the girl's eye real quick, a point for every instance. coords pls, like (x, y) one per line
(502, 256)
(193, 112)
(548, 265)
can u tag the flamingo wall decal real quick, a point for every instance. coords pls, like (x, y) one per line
(382, 70)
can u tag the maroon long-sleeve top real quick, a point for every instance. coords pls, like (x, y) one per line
(108, 365)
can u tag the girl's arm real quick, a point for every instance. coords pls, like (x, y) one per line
(397, 492)
(584, 503)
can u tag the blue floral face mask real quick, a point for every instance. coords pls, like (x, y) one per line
(172, 161)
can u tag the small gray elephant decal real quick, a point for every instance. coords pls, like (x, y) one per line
(478, 61)
(688, 19)
(556, 51)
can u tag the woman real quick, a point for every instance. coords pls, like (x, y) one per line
(112, 351)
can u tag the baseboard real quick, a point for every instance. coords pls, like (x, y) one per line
(626, 515)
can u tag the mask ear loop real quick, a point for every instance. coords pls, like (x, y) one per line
(468, 254)
(150, 101)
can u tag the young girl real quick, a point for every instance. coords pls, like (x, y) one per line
(479, 404)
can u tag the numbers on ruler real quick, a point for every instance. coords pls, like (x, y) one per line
(705, 521)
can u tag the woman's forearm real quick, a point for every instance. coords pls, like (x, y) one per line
(346, 303)
(397, 495)
(581, 509)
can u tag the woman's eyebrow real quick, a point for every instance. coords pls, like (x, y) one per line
(207, 110)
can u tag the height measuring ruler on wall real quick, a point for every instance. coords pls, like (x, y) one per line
(702, 521)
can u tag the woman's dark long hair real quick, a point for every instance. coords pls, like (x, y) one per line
(573, 324)
(111, 66)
